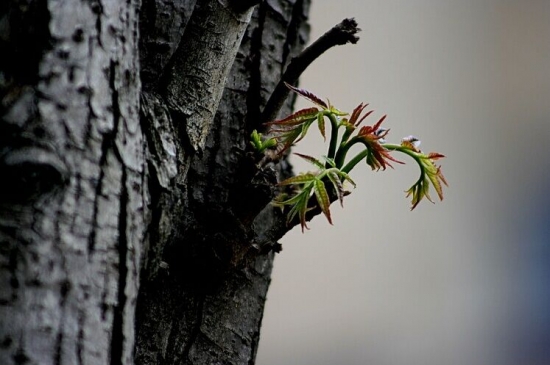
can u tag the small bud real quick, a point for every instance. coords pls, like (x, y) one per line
(415, 142)
(379, 132)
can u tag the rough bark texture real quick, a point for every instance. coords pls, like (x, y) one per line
(72, 209)
(120, 190)
(205, 303)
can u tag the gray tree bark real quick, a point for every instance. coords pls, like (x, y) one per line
(134, 219)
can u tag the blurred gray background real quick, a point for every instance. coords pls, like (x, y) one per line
(463, 281)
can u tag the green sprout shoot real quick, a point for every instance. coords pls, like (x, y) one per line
(259, 144)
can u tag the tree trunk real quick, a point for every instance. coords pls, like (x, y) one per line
(135, 224)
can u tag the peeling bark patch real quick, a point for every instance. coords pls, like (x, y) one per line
(118, 339)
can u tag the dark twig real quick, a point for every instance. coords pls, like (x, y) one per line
(342, 33)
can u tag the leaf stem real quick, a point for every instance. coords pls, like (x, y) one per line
(354, 161)
(411, 153)
(333, 134)
(343, 151)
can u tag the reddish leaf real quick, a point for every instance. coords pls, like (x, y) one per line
(354, 119)
(298, 117)
(321, 125)
(313, 160)
(379, 156)
(288, 138)
(435, 155)
(301, 208)
(308, 95)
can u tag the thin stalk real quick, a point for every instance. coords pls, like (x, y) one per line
(333, 134)
(347, 134)
(354, 161)
(343, 151)
(407, 151)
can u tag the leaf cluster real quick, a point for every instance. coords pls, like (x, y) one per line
(313, 185)
(315, 189)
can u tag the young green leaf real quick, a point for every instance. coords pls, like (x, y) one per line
(430, 173)
(321, 124)
(322, 198)
(338, 186)
(298, 179)
(260, 145)
(312, 160)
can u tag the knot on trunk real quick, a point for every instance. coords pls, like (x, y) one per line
(29, 172)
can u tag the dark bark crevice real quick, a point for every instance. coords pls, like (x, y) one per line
(240, 6)
(253, 102)
(106, 144)
(58, 349)
(80, 338)
(118, 336)
(161, 25)
(293, 33)
(97, 9)
(25, 38)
